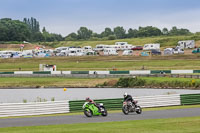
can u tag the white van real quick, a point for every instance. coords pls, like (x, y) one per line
(110, 51)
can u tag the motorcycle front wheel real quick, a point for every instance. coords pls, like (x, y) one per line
(88, 112)
(125, 110)
(104, 113)
(138, 110)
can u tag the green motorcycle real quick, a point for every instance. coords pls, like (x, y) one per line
(91, 110)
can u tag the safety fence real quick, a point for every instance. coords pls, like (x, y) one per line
(110, 104)
(144, 102)
(39, 108)
(130, 72)
(189, 99)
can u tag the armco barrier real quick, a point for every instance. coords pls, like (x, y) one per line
(144, 102)
(79, 72)
(6, 72)
(160, 71)
(119, 72)
(24, 109)
(42, 72)
(130, 72)
(196, 71)
(110, 104)
(189, 99)
(181, 71)
(159, 100)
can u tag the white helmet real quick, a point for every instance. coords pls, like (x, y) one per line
(125, 94)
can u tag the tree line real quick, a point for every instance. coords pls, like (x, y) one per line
(29, 30)
(26, 30)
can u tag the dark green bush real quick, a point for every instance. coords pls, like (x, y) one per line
(130, 82)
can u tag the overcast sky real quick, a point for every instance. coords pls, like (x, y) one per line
(66, 16)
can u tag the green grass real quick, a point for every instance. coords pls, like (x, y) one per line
(12, 82)
(35, 82)
(165, 41)
(172, 125)
(104, 63)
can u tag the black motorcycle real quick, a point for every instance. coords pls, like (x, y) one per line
(128, 107)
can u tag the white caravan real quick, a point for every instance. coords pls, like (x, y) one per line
(155, 46)
(87, 48)
(123, 46)
(75, 52)
(127, 52)
(186, 44)
(101, 47)
(110, 51)
(168, 51)
(59, 49)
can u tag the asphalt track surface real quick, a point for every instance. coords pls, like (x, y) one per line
(72, 119)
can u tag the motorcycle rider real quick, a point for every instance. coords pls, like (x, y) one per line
(90, 101)
(128, 98)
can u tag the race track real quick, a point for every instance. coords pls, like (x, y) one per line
(71, 119)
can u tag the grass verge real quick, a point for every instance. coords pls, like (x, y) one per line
(105, 63)
(172, 125)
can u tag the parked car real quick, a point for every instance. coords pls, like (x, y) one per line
(178, 51)
(155, 52)
(137, 48)
(197, 50)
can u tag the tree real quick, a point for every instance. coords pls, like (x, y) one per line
(120, 32)
(149, 31)
(13, 30)
(107, 32)
(176, 31)
(72, 37)
(34, 27)
(84, 33)
(132, 33)
(165, 31)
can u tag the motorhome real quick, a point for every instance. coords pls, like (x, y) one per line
(110, 51)
(186, 44)
(155, 46)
